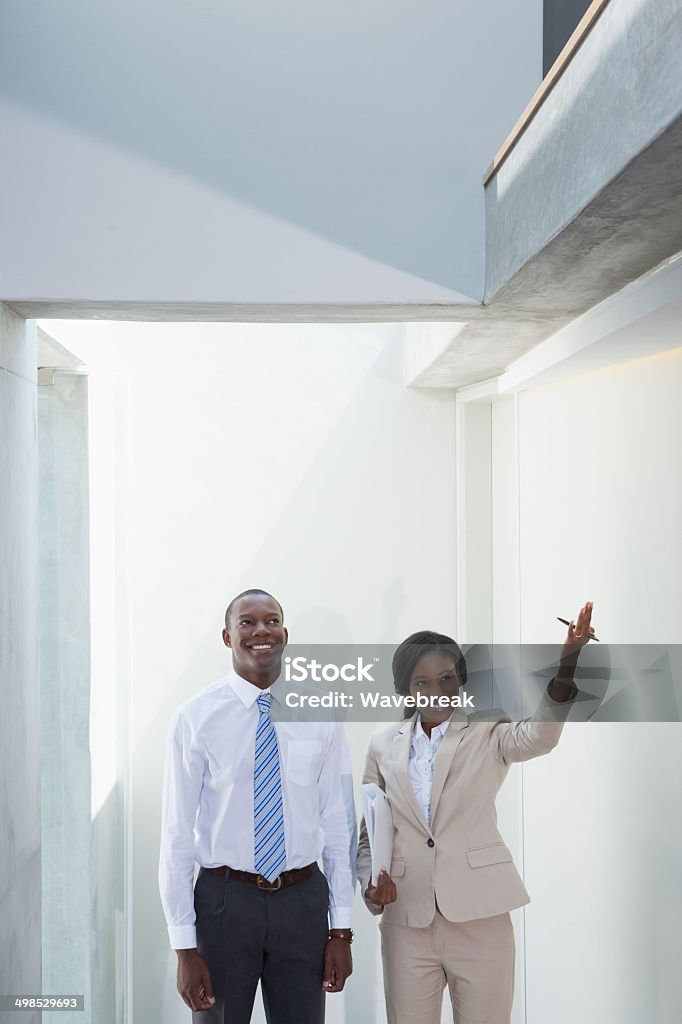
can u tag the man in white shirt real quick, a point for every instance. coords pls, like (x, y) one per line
(255, 804)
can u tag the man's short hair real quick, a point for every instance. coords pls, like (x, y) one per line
(254, 592)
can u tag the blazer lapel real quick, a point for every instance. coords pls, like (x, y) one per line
(401, 756)
(446, 752)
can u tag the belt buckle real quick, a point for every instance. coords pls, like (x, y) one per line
(263, 883)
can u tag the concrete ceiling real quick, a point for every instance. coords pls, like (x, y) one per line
(588, 201)
(632, 226)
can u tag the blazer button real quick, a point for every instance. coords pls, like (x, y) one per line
(430, 842)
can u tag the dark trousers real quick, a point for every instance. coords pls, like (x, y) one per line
(247, 935)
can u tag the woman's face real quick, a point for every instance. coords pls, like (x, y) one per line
(434, 676)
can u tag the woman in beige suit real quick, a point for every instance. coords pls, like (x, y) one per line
(445, 905)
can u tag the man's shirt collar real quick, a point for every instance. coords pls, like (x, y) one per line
(248, 693)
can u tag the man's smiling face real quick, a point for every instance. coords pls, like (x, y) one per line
(257, 637)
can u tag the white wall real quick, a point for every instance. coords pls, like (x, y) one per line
(600, 507)
(287, 458)
(343, 468)
(253, 152)
(601, 487)
(20, 855)
(64, 634)
(587, 499)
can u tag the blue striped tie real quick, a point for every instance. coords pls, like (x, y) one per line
(268, 814)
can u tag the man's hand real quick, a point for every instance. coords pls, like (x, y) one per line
(194, 980)
(338, 965)
(384, 891)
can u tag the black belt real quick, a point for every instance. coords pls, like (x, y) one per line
(282, 881)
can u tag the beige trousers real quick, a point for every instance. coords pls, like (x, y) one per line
(474, 958)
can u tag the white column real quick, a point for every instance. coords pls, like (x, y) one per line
(20, 870)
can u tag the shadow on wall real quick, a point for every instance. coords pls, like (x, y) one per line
(107, 907)
(332, 118)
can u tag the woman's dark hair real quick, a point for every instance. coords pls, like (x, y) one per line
(413, 648)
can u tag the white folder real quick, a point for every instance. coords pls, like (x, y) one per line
(379, 822)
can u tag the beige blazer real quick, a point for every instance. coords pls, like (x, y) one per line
(459, 860)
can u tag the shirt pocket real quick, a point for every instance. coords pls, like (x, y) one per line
(483, 856)
(302, 761)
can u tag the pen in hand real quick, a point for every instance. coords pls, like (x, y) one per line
(590, 636)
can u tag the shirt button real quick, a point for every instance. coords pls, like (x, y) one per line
(430, 842)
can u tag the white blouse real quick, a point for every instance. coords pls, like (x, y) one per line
(423, 750)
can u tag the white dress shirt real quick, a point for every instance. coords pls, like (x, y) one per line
(423, 750)
(207, 813)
